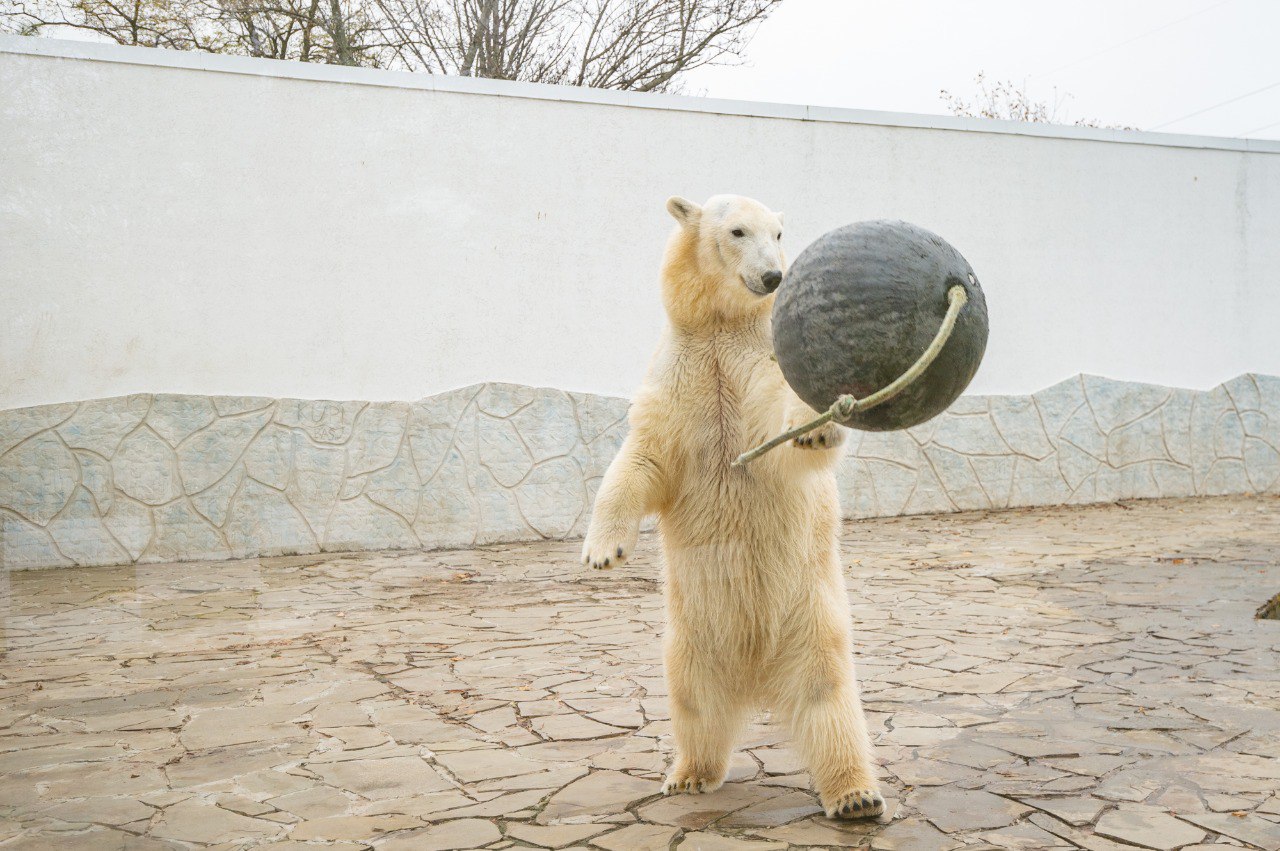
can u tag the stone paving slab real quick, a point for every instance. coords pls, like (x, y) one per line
(1037, 679)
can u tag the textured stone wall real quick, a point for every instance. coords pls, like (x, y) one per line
(152, 478)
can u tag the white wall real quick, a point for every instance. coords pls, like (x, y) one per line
(193, 224)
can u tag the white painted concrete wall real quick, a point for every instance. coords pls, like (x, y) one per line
(215, 225)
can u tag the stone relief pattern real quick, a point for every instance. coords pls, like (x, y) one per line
(156, 478)
(1086, 439)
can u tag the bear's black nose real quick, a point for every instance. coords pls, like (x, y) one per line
(771, 280)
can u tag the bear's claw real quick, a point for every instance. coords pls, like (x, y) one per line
(605, 556)
(602, 564)
(826, 436)
(862, 803)
(678, 782)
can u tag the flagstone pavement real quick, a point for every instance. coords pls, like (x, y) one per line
(1036, 679)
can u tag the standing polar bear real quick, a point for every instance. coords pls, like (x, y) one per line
(757, 613)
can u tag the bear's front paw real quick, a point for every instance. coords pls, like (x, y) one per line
(608, 546)
(689, 780)
(826, 436)
(860, 803)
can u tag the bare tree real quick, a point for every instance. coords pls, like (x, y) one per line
(336, 32)
(646, 44)
(1007, 101)
(283, 30)
(504, 39)
(176, 24)
(640, 45)
(343, 32)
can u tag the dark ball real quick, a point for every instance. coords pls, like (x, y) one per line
(858, 308)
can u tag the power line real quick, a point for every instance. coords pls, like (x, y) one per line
(1216, 105)
(1118, 45)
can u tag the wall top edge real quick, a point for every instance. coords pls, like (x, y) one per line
(475, 388)
(196, 61)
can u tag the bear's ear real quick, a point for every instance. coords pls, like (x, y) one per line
(684, 211)
(780, 217)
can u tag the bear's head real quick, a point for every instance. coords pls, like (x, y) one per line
(724, 261)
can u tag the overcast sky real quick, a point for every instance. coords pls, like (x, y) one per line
(1185, 66)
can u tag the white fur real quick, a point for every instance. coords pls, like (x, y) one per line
(757, 613)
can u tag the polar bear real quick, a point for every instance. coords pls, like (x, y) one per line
(757, 613)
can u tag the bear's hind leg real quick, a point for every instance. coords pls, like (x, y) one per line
(707, 713)
(818, 693)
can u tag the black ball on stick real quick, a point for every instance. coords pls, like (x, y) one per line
(858, 308)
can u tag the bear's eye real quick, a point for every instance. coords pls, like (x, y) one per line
(738, 232)
(779, 235)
